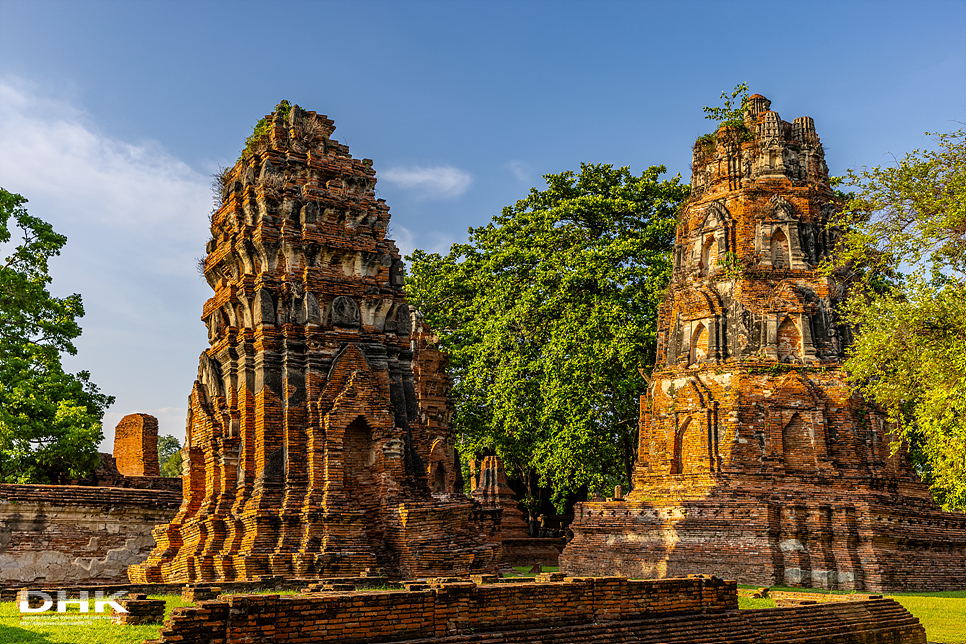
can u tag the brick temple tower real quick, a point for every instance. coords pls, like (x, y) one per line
(306, 452)
(755, 461)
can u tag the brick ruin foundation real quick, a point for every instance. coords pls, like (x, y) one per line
(307, 445)
(755, 461)
(57, 534)
(550, 609)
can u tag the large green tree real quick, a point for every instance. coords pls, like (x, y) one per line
(904, 253)
(549, 318)
(50, 420)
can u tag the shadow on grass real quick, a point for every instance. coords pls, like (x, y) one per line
(17, 635)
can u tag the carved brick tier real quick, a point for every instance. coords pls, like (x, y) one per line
(305, 450)
(755, 461)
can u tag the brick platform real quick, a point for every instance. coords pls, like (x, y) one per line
(603, 610)
(755, 461)
(307, 444)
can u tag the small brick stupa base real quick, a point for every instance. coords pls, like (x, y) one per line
(755, 461)
(493, 491)
(306, 454)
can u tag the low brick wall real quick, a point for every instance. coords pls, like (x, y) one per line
(593, 610)
(71, 534)
(446, 609)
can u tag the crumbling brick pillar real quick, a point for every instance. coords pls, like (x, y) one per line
(136, 445)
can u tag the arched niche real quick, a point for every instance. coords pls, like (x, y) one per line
(779, 250)
(437, 481)
(709, 255)
(789, 341)
(699, 344)
(798, 446)
(357, 461)
(677, 449)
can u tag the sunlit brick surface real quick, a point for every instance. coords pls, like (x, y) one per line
(307, 442)
(755, 460)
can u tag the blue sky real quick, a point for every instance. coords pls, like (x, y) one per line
(113, 116)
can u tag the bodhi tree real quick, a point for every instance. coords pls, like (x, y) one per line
(904, 250)
(548, 315)
(50, 420)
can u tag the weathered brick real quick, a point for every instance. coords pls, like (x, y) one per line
(756, 461)
(311, 448)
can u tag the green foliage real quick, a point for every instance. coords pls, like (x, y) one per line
(169, 456)
(730, 265)
(50, 421)
(549, 318)
(263, 127)
(904, 252)
(730, 114)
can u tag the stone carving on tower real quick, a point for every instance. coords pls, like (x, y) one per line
(755, 460)
(308, 446)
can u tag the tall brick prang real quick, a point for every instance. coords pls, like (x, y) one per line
(755, 461)
(306, 452)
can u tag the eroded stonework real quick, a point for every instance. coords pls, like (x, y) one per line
(306, 451)
(755, 460)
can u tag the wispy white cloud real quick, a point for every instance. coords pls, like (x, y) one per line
(432, 242)
(429, 182)
(50, 148)
(404, 239)
(135, 217)
(520, 170)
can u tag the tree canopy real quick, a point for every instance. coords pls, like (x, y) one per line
(548, 315)
(50, 421)
(169, 456)
(904, 252)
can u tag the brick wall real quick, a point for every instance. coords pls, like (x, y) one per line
(448, 608)
(52, 534)
(602, 610)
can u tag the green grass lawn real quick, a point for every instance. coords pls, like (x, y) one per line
(74, 627)
(85, 628)
(942, 614)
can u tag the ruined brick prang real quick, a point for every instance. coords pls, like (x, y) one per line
(305, 450)
(755, 460)
(434, 438)
(136, 445)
